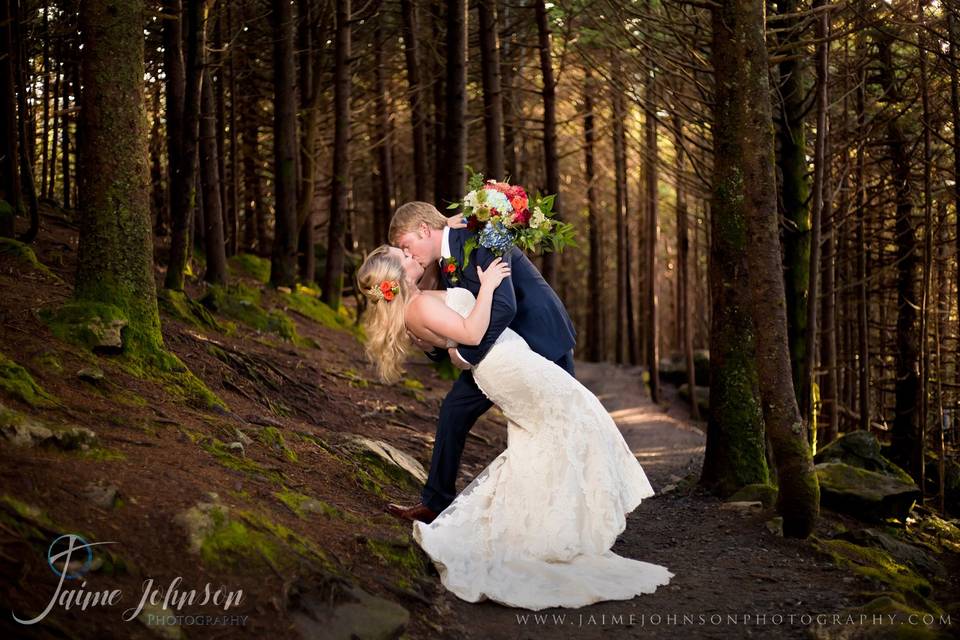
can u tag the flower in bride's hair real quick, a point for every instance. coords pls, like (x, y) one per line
(389, 289)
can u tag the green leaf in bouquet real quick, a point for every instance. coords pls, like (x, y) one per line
(468, 248)
(453, 205)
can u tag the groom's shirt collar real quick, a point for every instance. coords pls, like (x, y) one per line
(445, 244)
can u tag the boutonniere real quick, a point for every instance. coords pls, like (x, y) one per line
(450, 268)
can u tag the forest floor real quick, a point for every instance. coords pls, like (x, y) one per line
(271, 495)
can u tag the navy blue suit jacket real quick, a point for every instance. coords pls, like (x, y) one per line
(523, 302)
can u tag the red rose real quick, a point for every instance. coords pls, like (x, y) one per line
(522, 216)
(386, 288)
(451, 268)
(473, 224)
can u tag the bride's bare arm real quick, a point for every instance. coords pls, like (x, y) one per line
(432, 313)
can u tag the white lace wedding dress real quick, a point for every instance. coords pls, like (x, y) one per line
(534, 529)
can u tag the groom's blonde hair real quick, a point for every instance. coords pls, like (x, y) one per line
(408, 217)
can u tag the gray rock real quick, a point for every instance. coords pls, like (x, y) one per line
(765, 493)
(327, 608)
(860, 449)
(237, 448)
(921, 561)
(20, 430)
(106, 335)
(91, 374)
(102, 496)
(868, 495)
(390, 455)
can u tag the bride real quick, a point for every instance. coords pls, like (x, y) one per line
(535, 528)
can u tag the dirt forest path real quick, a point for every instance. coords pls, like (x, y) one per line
(726, 562)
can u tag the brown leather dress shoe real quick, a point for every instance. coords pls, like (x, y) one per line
(419, 511)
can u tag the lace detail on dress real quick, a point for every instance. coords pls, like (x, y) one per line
(534, 529)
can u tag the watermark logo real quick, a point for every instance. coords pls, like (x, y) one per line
(71, 557)
(58, 555)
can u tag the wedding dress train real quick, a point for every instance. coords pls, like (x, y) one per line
(534, 529)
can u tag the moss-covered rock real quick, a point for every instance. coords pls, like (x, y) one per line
(94, 325)
(22, 252)
(17, 381)
(103, 328)
(244, 540)
(381, 463)
(20, 430)
(865, 494)
(302, 504)
(874, 563)
(764, 493)
(861, 449)
(917, 557)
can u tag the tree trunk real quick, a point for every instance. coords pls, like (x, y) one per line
(744, 125)
(283, 257)
(216, 272)
(492, 97)
(652, 236)
(183, 183)
(551, 158)
(455, 125)
(734, 454)
(684, 312)
(333, 274)
(821, 175)
(795, 196)
(384, 142)
(905, 436)
(418, 115)
(310, 132)
(10, 195)
(115, 254)
(624, 293)
(595, 347)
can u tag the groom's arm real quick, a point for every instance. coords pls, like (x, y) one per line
(502, 311)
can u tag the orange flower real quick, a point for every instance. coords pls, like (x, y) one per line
(451, 268)
(389, 288)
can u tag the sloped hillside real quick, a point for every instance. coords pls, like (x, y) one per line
(263, 468)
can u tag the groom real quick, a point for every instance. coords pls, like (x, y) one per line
(524, 302)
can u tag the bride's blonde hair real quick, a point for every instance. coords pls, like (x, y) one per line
(387, 339)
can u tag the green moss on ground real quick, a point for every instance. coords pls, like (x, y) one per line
(242, 303)
(305, 302)
(251, 265)
(874, 563)
(401, 556)
(184, 308)
(301, 504)
(16, 249)
(17, 381)
(226, 458)
(272, 438)
(83, 322)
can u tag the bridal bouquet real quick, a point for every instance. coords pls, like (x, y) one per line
(505, 217)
